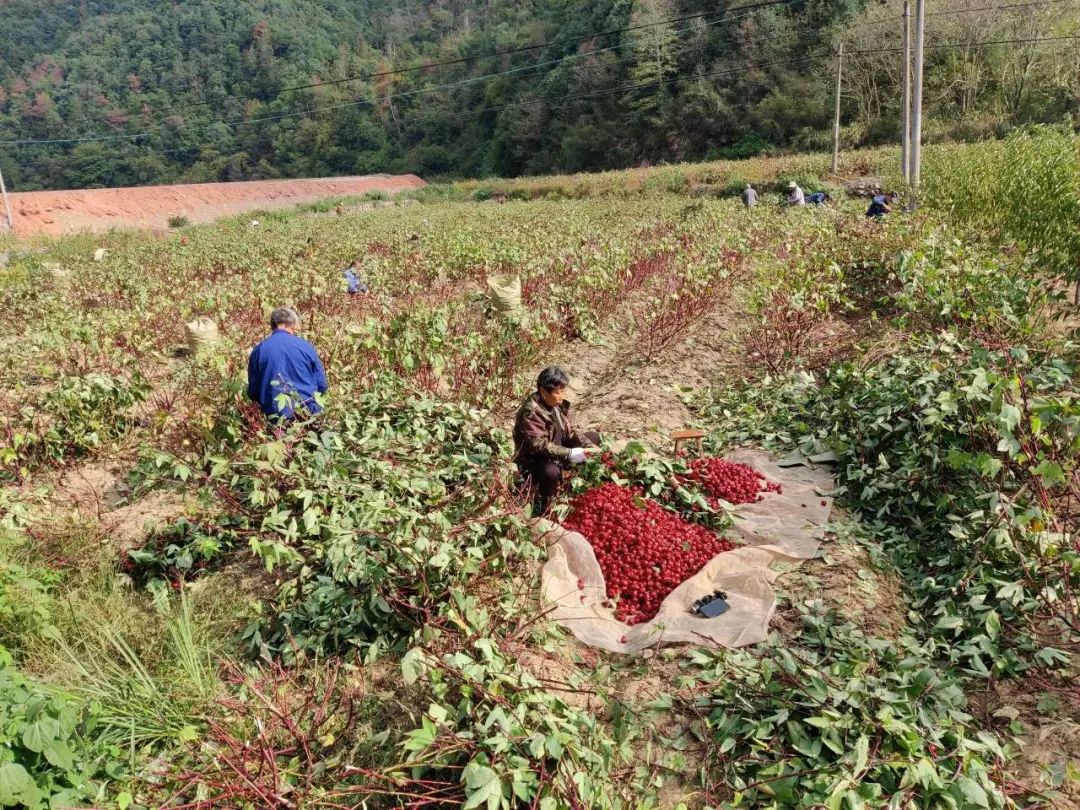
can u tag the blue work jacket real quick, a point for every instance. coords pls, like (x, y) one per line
(285, 364)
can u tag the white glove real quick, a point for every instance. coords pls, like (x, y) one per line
(577, 455)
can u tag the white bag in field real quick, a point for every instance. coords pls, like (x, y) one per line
(505, 295)
(202, 333)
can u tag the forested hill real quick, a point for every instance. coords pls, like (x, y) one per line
(201, 90)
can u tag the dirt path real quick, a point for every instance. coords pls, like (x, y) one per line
(628, 399)
(58, 212)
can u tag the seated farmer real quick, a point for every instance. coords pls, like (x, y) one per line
(284, 371)
(545, 443)
(354, 277)
(878, 208)
(795, 194)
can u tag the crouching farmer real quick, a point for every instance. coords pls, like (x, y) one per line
(545, 442)
(284, 370)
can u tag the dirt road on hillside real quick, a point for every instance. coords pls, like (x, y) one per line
(57, 212)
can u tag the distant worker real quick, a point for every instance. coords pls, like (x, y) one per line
(284, 370)
(795, 194)
(354, 277)
(749, 196)
(545, 443)
(818, 198)
(878, 208)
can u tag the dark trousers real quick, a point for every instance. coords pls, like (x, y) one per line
(543, 476)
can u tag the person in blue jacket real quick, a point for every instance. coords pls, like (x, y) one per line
(284, 370)
(354, 277)
(878, 208)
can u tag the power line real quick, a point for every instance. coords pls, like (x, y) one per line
(590, 94)
(983, 44)
(526, 48)
(994, 8)
(711, 74)
(420, 91)
(965, 11)
(748, 9)
(565, 99)
(623, 88)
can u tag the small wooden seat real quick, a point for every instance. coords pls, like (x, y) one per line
(688, 435)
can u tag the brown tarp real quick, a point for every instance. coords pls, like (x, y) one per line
(786, 526)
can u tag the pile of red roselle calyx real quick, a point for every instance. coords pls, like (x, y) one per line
(644, 550)
(733, 482)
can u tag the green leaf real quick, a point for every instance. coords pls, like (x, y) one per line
(1048, 704)
(862, 753)
(58, 754)
(123, 800)
(949, 623)
(16, 786)
(37, 735)
(187, 734)
(972, 792)
(664, 701)
(1051, 473)
(482, 785)
(412, 665)
(1010, 415)
(421, 738)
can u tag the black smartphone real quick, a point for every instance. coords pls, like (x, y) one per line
(711, 606)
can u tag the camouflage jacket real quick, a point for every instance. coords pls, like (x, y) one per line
(541, 432)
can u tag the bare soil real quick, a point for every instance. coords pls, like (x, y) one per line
(1044, 716)
(96, 494)
(58, 212)
(842, 579)
(633, 400)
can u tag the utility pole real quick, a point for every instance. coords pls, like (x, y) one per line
(7, 207)
(836, 116)
(915, 165)
(905, 98)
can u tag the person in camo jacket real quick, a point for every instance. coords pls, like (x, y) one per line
(545, 442)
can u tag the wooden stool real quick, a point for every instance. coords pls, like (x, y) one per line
(688, 435)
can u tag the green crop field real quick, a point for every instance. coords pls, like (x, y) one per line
(197, 613)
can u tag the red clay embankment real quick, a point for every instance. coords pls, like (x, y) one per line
(99, 209)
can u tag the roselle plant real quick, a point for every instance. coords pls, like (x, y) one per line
(841, 721)
(963, 458)
(372, 517)
(48, 757)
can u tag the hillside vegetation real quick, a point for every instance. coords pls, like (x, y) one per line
(213, 91)
(195, 613)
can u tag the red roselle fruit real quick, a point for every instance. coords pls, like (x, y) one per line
(733, 482)
(644, 550)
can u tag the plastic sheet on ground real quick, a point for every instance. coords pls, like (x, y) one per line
(786, 526)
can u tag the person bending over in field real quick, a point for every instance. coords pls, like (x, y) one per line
(795, 194)
(878, 208)
(284, 370)
(354, 278)
(545, 443)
